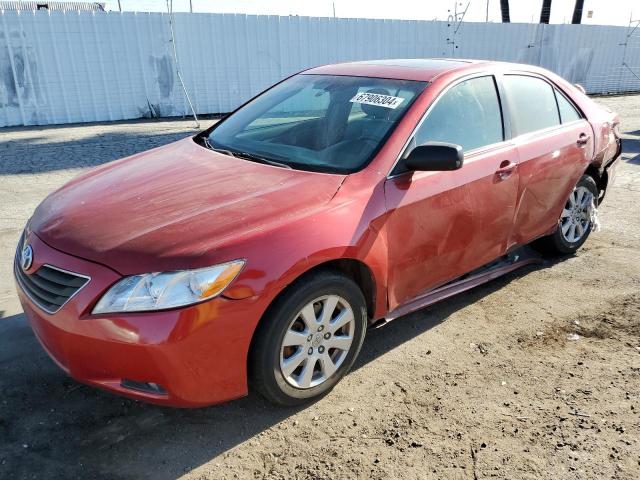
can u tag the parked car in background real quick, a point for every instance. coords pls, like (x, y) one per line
(259, 251)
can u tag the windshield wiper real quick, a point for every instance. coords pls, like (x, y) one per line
(245, 155)
(259, 159)
(207, 143)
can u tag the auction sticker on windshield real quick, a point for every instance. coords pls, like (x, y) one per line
(377, 99)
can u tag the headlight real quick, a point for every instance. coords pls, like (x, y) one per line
(157, 291)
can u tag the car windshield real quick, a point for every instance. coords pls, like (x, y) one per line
(320, 123)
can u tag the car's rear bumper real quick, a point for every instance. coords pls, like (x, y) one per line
(197, 355)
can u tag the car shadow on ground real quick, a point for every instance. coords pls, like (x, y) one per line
(631, 147)
(50, 422)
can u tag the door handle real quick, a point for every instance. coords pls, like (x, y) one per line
(583, 139)
(506, 169)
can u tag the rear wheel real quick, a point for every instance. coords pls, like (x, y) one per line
(574, 225)
(309, 339)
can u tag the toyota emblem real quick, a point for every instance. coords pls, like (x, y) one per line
(26, 258)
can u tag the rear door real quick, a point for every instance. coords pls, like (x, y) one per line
(444, 224)
(554, 144)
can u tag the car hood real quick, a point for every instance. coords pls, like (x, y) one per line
(173, 207)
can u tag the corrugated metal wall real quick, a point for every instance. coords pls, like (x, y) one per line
(58, 67)
(26, 5)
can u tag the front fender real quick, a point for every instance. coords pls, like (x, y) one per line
(349, 228)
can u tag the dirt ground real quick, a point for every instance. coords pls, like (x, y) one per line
(485, 385)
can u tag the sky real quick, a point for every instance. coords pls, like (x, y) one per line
(522, 11)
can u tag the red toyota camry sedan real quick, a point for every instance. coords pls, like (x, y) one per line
(258, 252)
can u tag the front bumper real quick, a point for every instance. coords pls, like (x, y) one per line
(197, 354)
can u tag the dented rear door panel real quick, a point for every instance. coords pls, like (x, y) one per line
(550, 164)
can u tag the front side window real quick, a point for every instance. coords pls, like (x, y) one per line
(468, 115)
(323, 123)
(532, 103)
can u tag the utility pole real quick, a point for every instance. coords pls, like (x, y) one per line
(333, 3)
(487, 18)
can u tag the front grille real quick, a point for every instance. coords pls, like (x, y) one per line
(49, 287)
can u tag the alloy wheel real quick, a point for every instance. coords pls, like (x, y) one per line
(317, 341)
(576, 216)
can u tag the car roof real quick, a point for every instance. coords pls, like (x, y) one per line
(424, 69)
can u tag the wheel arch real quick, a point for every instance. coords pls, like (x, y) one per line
(601, 179)
(355, 269)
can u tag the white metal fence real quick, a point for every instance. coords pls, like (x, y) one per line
(58, 67)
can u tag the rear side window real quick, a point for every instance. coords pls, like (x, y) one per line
(467, 115)
(532, 103)
(568, 112)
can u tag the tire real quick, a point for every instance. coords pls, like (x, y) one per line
(320, 344)
(561, 241)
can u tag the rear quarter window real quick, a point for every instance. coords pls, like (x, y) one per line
(568, 112)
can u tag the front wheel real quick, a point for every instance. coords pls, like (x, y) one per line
(309, 339)
(575, 221)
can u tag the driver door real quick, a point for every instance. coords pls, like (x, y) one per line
(444, 224)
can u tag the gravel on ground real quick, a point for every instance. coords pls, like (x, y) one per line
(535, 375)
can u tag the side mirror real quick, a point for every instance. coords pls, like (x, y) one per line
(435, 156)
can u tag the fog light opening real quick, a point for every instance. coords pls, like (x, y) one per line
(145, 387)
